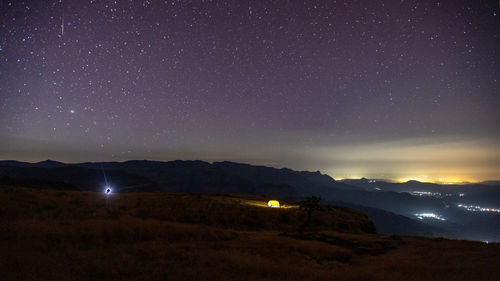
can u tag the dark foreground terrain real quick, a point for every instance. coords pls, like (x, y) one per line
(75, 235)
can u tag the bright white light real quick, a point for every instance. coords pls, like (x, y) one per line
(108, 190)
(72, 111)
(429, 215)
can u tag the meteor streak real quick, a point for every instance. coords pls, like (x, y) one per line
(62, 19)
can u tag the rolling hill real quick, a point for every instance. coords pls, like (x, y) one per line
(79, 235)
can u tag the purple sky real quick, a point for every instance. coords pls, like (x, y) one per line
(394, 89)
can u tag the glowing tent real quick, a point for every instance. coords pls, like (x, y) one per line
(273, 204)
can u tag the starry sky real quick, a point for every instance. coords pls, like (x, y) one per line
(383, 89)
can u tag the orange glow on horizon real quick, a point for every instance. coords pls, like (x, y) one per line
(441, 180)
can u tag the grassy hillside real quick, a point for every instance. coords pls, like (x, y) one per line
(71, 235)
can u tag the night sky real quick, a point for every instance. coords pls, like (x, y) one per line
(381, 89)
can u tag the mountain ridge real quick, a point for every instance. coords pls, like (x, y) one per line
(201, 176)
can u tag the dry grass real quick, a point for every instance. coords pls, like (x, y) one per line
(54, 235)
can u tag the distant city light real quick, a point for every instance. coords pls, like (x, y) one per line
(474, 208)
(429, 215)
(433, 194)
(425, 193)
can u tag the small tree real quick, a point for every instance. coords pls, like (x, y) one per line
(309, 205)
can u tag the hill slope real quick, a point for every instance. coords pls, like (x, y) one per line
(73, 235)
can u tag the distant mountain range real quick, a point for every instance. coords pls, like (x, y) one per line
(384, 202)
(484, 192)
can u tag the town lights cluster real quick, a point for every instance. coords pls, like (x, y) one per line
(425, 193)
(429, 215)
(434, 194)
(474, 208)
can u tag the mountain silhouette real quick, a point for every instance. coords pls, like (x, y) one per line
(385, 202)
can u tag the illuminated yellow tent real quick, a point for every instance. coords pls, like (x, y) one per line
(273, 204)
